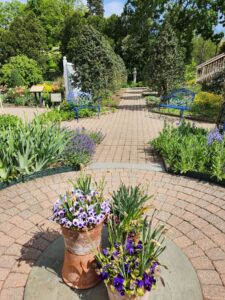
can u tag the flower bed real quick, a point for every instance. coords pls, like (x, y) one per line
(192, 151)
(30, 148)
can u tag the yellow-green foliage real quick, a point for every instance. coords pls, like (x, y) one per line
(206, 106)
(47, 88)
(208, 99)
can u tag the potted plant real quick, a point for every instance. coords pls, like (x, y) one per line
(128, 207)
(81, 214)
(130, 270)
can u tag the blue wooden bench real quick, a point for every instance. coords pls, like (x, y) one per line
(81, 100)
(179, 99)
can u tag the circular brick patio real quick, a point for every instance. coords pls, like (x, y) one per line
(194, 213)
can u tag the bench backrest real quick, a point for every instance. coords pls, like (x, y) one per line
(181, 97)
(79, 98)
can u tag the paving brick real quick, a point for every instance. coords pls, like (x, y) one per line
(7, 261)
(220, 266)
(12, 294)
(213, 292)
(185, 227)
(16, 232)
(4, 273)
(202, 263)
(6, 241)
(193, 251)
(183, 242)
(215, 254)
(209, 277)
(15, 280)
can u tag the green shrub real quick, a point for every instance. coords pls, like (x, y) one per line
(26, 70)
(206, 106)
(20, 96)
(56, 116)
(152, 101)
(188, 148)
(7, 121)
(98, 68)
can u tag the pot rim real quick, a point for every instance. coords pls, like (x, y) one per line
(83, 230)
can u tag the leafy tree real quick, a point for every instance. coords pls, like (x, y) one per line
(95, 7)
(25, 37)
(10, 10)
(203, 50)
(20, 70)
(189, 17)
(222, 47)
(165, 67)
(70, 32)
(52, 15)
(98, 69)
(190, 71)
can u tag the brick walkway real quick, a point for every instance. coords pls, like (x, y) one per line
(128, 130)
(24, 112)
(194, 212)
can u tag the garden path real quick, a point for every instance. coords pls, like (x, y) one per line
(128, 130)
(24, 112)
(193, 211)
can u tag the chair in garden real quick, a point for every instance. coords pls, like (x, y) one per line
(179, 99)
(82, 100)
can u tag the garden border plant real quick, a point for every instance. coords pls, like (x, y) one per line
(37, 149)
(192, 152)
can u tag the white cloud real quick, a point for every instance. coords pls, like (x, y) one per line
(114, 7)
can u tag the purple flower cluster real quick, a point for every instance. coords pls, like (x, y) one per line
(214, 136)
(76, 210)
(127, 258)
(81, 143)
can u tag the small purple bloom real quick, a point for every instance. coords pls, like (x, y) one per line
(75, 222)
(104, 275)
(68, 224)
(214, 136)
(105, 252)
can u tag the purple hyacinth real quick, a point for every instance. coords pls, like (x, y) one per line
(214, 136)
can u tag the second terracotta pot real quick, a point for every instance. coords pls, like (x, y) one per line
(79, 257)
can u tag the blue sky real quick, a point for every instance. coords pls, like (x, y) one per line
(110, 6)
(113, 7)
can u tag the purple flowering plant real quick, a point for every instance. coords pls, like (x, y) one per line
(83, 207)
(132, 267)
(214, 136)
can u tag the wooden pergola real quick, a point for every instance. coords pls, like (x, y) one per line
(207, 70)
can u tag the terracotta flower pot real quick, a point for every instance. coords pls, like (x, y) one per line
(79, 257)
(116, 296)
